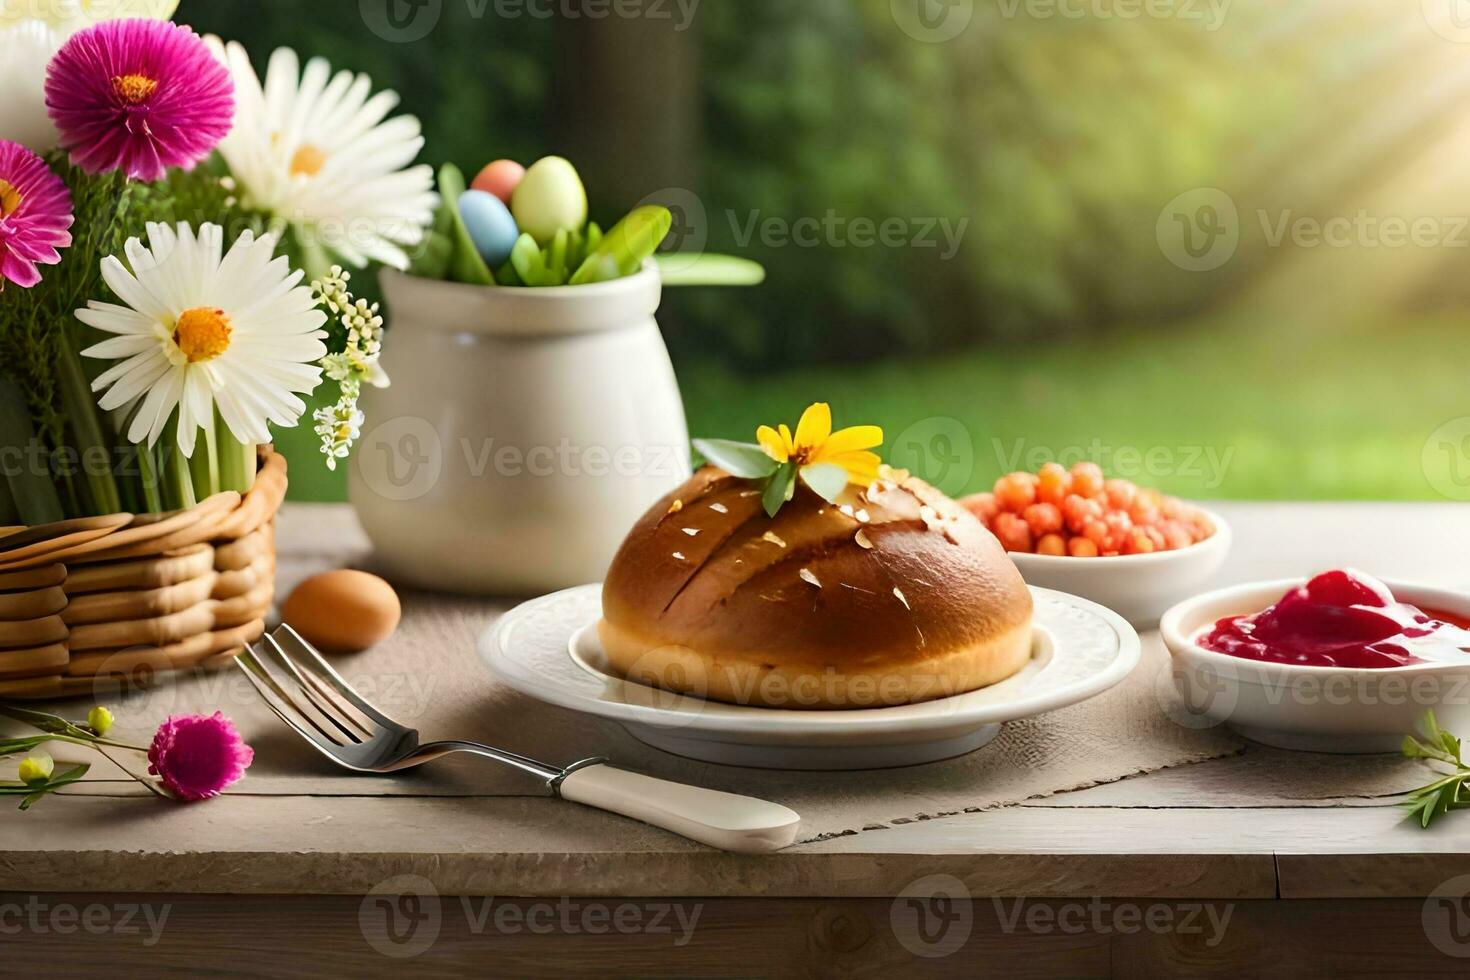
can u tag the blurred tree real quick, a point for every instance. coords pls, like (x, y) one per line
(1058, 140)
(1025, 161)
(480, 84)
(626, 103)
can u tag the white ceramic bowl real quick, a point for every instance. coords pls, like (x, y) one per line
(1137, 587)
(1317, 709)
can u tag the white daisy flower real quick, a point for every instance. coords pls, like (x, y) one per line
(71, 16)
(28, 46)
(313, 148)
(202, 331)
(31, 32)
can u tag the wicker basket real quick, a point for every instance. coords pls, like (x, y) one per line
(122, 597)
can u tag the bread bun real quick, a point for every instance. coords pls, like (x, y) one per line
(894, 594)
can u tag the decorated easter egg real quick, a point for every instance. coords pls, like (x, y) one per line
(499, 178)
(549, 197)
(342, 611)
(490, 225)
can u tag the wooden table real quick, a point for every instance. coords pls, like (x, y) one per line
(1200, 867)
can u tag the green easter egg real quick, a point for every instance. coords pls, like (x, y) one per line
(548, 199)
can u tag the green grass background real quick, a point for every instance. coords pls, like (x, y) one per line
(1294, 411)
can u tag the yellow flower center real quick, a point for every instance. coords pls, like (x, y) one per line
(202, 333)
(308, 161)
(9, 198)
(133, 89)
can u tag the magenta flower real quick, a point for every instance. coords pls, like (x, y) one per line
(138, 96)
(35, 213)
(197, 756)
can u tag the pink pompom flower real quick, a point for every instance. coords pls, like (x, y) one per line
(138, 96)
(35, 213)
(197, 756)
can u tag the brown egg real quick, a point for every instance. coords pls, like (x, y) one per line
(343, 611)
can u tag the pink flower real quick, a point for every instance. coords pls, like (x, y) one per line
(35, 213)
(197, 756)
(138, 96)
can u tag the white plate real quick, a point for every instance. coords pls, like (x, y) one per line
(548, 648)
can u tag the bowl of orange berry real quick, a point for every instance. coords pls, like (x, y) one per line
(1131, 548)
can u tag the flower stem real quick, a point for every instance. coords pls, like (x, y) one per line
(178, 482)
(81, 412)
(114, 743)
(131, 492)
(9, 514)
(236, 459)
(315, 261)
(148, 471)
(97, 744)
(204, 466)
(148, 783)
(31, 487)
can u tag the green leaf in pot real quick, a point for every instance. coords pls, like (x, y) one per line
(507, 275)
(528, 261)
(590, 240)
(556, 259)
(580, 245)
(622, 251)
(465, 264)
(431, 259)
(680, 269)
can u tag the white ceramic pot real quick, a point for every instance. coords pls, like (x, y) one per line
(524, 432)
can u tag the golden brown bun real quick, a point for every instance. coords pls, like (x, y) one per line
(896, 594)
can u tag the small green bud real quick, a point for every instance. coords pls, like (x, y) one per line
(35, 769)
(99, 719)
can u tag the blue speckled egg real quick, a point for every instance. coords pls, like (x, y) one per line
(490, 225)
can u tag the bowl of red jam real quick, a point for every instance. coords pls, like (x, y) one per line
(1340, 662)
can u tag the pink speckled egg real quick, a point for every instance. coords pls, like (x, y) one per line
(499, 178)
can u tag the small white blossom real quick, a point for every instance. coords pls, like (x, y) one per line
(339, 425)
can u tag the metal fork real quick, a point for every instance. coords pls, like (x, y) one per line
(298, 684)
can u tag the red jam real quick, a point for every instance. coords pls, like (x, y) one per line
(1341, 619)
